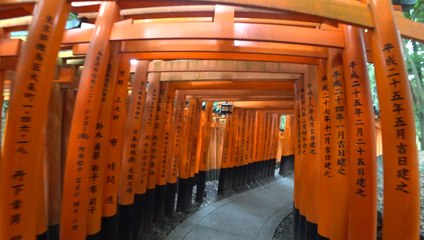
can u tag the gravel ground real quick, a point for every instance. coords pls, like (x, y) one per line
(162, 230)
(285, 229)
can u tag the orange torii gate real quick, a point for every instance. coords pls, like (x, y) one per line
(227, 39)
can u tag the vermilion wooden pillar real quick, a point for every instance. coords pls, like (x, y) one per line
(303, 164)
(225, 163)
(160, 154)
(313, 161)
(131, 154)
(204, 150)
(175, 155)
(82, 134)
(297, 164)
(326, 165)
(145, 178)
(101, 149)
(184, 196)
(400, 158)
(22, 165)
(339, 141)
(362, 195)
(116, 145)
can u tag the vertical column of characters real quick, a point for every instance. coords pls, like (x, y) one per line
(247, 152)
(363, 166)
(242, 147)
(252, 146)
(118, 118)
(146, 166)
(189, 126)
(233, 164)
(166, 157)
(400, 157)
(176, 131)
(303, 164)
(311, 92)
(340, 150)
(27, 113)
(326, 165)
(155, 166)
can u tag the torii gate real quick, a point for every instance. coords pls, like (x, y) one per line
(331, 53)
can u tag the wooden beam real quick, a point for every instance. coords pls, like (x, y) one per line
(123, 31)
(10, 47)
(224, 66)
(222, 94)
(243, 98)
(273, 104)
(216, 85)
(342, 11)
(200, 45)
(240, 76)
(241, 31)
(221, 56)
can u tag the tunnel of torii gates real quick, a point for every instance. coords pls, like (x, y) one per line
(78, 162)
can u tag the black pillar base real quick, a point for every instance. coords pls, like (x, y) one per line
(322, 238)
(230, 178)
(296, 220)
(97, 236)
(138, 215)
(280, 171)
(42, 236)
(273, 166)
(110, 227)
(244, 174)
(183, 185)
(302, 227)
(53, 232)
(191, 184)
(171, 190)
(159, 213)
(148, 209)
(201, 185)
(262, 170)
(311, 230)
(222, 181)
(236, 178)
(288, 165)
(125, 221)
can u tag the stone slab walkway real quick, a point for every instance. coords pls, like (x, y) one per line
(253, 214)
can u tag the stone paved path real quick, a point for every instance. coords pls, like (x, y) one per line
(253, 214)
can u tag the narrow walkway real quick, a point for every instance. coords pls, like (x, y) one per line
(254, 214)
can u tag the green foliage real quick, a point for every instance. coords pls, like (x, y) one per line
(282, 123)
(415, 65)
